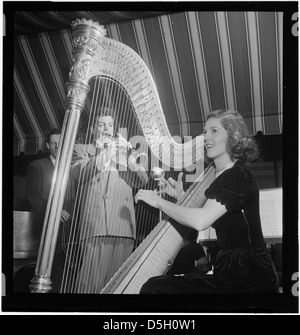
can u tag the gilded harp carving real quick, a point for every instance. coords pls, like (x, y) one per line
(96, 56)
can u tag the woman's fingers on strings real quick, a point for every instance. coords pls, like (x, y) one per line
(172, 182)
(179, 179)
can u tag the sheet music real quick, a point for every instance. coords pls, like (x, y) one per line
(270, 201)
(271, 212)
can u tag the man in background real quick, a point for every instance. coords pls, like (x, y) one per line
(39, 178)
(38, 184)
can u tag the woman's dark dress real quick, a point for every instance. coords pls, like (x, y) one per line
(243, 265)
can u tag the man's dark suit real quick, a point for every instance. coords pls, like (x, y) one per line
(38, 184)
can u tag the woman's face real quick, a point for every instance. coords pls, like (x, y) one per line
(215, 139)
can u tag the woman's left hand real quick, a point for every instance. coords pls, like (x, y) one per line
(148, 196)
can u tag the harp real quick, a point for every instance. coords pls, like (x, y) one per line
(95, 56)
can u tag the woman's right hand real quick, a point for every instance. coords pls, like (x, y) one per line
(172, 187)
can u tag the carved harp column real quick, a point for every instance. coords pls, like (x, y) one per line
(87, 37)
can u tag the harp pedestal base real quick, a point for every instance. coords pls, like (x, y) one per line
(40, 285)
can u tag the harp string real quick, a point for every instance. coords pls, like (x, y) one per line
(87, 174)
(126, 120)
(84, 228)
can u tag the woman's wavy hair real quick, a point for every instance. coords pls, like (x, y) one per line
(239, 144)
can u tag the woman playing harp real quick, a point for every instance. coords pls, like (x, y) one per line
(107, 172)
(243, 265)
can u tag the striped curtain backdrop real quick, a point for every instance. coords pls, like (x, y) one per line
(200, 61)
